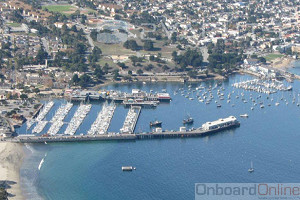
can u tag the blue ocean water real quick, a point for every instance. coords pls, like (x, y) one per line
(169, 168)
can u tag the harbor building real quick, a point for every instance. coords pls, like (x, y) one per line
(231, 120)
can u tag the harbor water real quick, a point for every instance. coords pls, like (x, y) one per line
(169, 168)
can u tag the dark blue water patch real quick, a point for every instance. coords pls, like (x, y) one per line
(71, 113)
(118, 119)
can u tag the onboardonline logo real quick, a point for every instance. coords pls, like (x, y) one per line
(247, 191)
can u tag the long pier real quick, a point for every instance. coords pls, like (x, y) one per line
(111, 136)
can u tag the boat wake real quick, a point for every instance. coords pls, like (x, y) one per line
(41, 163)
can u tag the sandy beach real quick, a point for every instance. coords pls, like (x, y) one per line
(11, 156)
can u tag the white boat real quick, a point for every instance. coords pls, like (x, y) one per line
(251, 169)
(244, 115)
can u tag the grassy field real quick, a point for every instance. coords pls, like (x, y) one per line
(271, 57)
(114, 49)
(13, 24)
(64, 9)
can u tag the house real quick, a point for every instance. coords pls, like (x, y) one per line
(250, 61)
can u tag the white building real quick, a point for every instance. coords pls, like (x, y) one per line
(231, 120)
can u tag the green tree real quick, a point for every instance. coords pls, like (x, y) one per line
(139, 72)
(75, 79)
(85, 80)
(23, 96)
(148, 45)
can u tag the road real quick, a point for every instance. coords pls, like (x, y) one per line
(46, 45)
(88, 36)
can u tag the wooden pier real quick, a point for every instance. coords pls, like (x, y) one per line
(114, 137)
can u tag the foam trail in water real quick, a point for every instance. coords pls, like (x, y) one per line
(41, 163)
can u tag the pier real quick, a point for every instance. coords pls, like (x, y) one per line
(113, 136)
(101, 124)
(136, 97)
(131, 120)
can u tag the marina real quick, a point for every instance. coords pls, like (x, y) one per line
(249, 92)
(189, 151)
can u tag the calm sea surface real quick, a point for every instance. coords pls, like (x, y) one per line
(169, 168)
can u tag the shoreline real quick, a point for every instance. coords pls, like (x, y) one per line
(11, 159)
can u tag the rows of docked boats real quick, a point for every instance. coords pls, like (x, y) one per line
(78, 118)
(39, 127)
(131, 119)
(41, 115)
(262, 86)
(102, 122)
(57, 120)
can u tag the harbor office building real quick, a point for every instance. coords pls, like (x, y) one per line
(220, 123)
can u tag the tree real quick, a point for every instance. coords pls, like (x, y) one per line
(131, 44)
(98, 72)
(139, 72)
(148, 45)
(122, 65)
(116, 74)
(174, 37)
(106, 68)
(41, 55)
(23, 96)
(75, 79)
(85, 80)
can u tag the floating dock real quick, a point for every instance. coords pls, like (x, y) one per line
(101, 124)
(78, 118)
(45, 111)
(57, 120)
(131, 120)
(39, 127)
(40, 117)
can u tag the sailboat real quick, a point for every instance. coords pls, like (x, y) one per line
(251, 169)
